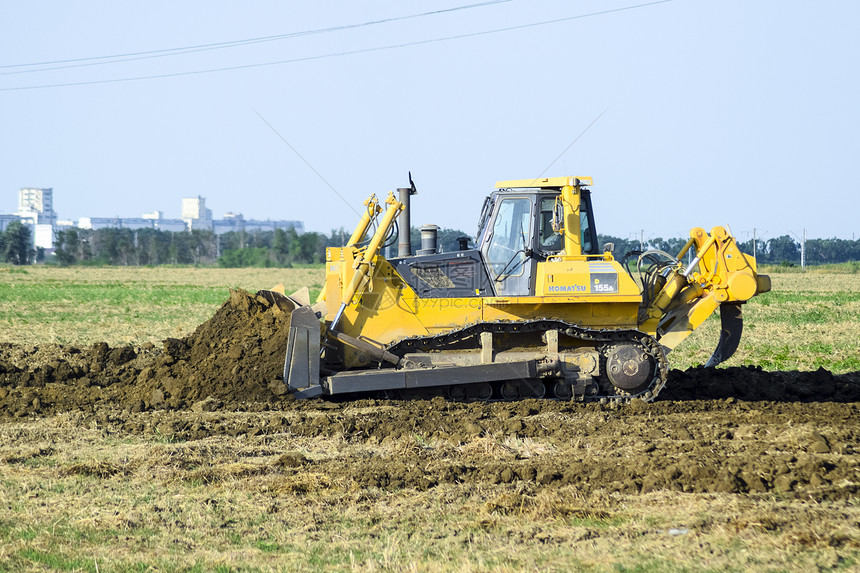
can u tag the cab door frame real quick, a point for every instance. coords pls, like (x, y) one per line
(507, 245)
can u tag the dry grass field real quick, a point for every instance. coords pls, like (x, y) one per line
(681, 484)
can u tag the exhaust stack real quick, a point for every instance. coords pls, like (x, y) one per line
(404, 242)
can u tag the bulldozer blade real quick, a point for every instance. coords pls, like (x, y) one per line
(301, 365)
(289, 303)
(275, 295)
(731, 317)
(279, 299)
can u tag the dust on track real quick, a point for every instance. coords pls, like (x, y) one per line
(736, 430)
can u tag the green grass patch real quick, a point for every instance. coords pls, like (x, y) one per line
(652, 565)
(268, 546)
(55, 561)
(125, 305)
(597, 522)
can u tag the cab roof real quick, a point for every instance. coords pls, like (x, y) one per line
(544, 183)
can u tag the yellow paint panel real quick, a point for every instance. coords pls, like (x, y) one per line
(543, 182)
(585, 278)
(615, 315)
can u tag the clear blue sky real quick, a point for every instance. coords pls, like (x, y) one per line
(744, 113)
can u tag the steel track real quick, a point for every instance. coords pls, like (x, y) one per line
(599, 339)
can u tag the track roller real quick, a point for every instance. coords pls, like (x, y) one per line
(471, 392)
(519, 389)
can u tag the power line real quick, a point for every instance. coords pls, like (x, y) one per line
(296, 151)
(134, 56)
(339, 54)
(575, 139)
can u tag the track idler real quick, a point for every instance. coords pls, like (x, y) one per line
(629, 368)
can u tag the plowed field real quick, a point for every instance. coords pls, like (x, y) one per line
(730, 468)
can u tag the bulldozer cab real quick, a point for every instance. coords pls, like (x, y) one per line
(525, 222)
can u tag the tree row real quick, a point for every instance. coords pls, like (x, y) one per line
(284, 247)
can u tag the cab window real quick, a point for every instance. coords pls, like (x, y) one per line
(549, 241)
(585, 230)
(511, 229)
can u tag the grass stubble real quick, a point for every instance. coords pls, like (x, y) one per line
(91, 499)
(77, 494)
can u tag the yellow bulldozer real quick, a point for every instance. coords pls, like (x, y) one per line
(535, 309)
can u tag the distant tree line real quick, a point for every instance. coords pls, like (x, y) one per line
(782, 250)
(115, 246)
(278, 248)
(281, 247)
(131, 247)
(284, 247)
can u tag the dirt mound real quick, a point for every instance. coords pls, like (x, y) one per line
(237, 355)
(233, 358)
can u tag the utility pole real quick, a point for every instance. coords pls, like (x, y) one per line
(641, 239)
(753, 242)
(802, 240)
(803, 251)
